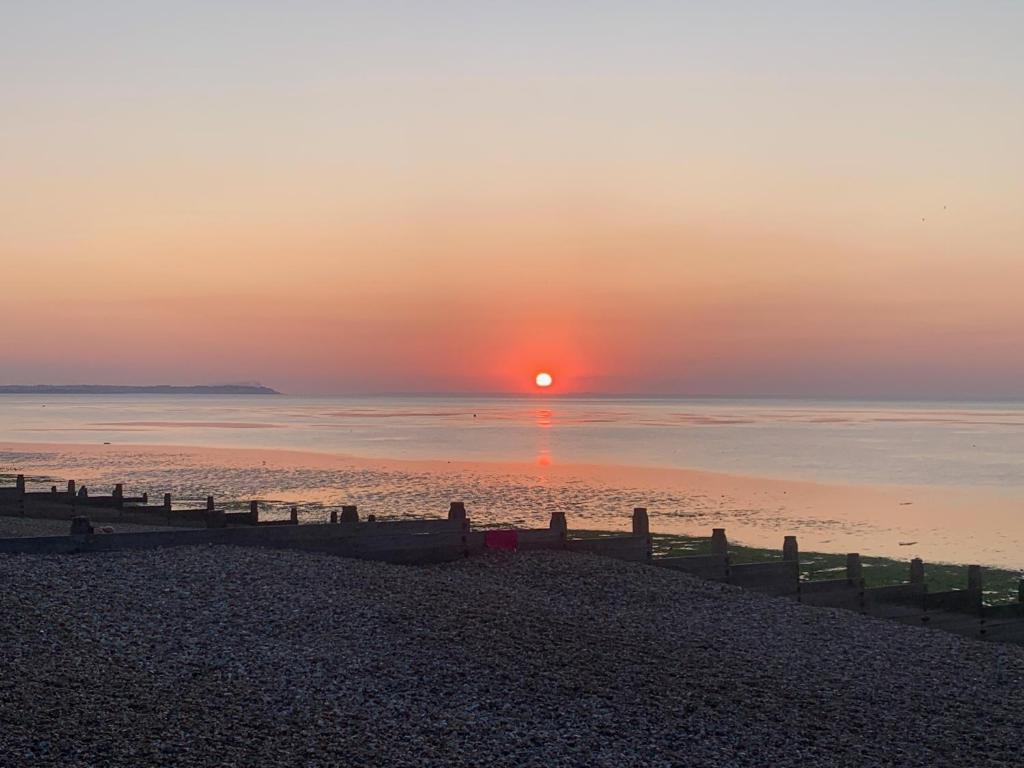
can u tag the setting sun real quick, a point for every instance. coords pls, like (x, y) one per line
(543, 380)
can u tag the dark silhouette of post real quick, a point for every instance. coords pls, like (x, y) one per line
(254, 513)
(457, 511)
(719, 544)
(917, 571)
(790, 550)
(294, 516)
(334, 515)
(215, 518)
(854, 570)
(19, 483)
(167, 502)
(641, 523)
(118, 495)
(558, 523)
(974, 580)
(349, 514)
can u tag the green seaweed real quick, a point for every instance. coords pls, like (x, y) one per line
(1000, 585)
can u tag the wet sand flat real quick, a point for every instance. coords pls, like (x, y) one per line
(937, 524)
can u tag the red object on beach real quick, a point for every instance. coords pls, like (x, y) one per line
(501, 540)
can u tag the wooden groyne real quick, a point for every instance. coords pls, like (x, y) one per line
(74, 500)
(345, 533)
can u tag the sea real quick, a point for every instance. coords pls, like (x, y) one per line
(941, 480)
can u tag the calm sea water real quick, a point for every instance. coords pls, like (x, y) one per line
(936, 444)
(938, 480)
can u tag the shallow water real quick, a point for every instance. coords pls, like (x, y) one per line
(937, 480)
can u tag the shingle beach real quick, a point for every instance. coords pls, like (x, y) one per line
(240, 657)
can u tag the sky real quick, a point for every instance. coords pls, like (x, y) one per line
(728, 198)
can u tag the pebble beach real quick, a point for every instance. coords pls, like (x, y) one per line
(240, 657)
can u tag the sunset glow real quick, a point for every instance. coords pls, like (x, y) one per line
(543, 380)
(346, 200)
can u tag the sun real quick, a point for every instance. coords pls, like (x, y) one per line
(543, 380)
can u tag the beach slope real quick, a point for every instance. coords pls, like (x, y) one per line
(225, 656)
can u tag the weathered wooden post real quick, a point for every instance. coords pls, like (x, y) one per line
(917, 571)
(854, 569)
(293, 516)
(641, 523)
(145, 497)
(254, 513)
(1020, 591)
(457, 511)
(118, 495)
(215, 518)
(71, 488)
(167, 502)
(349, 514)
(334, 515)
(974, 578)
(53, 489)
(558, 524)
(19, 483)
(83, 492)
(719, 544)
(790, 550)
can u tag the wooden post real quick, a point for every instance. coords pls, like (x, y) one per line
(71, 488)
(215, 518)
(719, 544)
(457, 511)
(254, 512)
(294, 516)
(145, 497)
(641, 523)
(854, 570)
(974, 577)
(558, 523)
(19, 483)
(917, 571)
(334, 515)
(349, 514)
(167, 502)
(790, 550)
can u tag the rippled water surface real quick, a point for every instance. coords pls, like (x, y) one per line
(898, 443)
(943, 478)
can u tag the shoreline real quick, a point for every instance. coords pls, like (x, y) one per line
(952, 525)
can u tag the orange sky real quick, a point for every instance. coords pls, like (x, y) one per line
(672, 201)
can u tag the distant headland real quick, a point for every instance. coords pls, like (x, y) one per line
(115, 389)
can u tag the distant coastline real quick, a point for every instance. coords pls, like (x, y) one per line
(114, 389)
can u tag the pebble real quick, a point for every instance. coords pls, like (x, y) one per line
(231, 656)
